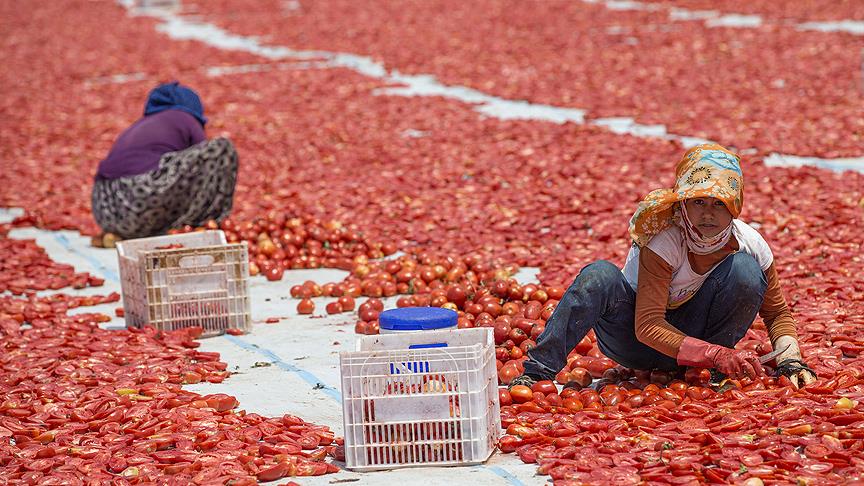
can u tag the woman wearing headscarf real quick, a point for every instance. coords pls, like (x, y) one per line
(693, 282)
(162, 172)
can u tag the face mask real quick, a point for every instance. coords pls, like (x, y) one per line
(697, 243)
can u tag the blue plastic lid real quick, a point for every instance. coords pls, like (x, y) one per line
(417, 319)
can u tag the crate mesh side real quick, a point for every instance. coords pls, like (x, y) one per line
(203, 286)
(440, 398)
(133, 291)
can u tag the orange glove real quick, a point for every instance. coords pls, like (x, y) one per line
(730, 362)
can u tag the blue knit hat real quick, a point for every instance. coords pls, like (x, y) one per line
(173, 96)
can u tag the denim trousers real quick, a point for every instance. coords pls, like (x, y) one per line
(600, 298)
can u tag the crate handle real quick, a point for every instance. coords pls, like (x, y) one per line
(193, 261)
(424, 346)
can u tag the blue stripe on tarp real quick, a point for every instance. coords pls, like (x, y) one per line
(107, 272)
(511, 479)
(305, 375)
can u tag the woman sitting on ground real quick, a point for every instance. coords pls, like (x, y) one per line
(692, 285)
(162, 173)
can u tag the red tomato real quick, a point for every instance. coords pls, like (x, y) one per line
(532, 310)
(584, 345)
(305, 306)
(669, 394)
(367, 314)
(220, 401)
(347, 303)
(273, 473)
(295, 291)
(572, 403)
(563, 377)
(521, 394)
(589, 396)
(555, 292)
(274, 273)
(457, 295)
(697, 376)
(517, 335)
(599, 366)
(544, 386)
(507, 373)
(361, 327)
(635, 401)
(500, 331)
(504, 397)
(540, 296)
(333, 307)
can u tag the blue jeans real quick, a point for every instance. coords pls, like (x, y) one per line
(601, 299)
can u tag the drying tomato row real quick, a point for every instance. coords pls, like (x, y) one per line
(28, 269)
(636, 432)
(813, 11)
(611, 62)
(108, 405)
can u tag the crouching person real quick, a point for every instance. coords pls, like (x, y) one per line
(693, 283)
(162, 173)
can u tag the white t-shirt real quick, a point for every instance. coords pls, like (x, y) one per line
(669, 244)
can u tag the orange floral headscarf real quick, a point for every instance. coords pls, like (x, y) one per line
(706, 170)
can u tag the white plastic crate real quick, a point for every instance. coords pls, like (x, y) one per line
(205, 283)
(425, 398)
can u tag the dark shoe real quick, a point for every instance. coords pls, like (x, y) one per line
(716, 376)
(522, 380)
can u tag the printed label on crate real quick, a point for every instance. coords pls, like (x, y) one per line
(397, 409)
(209, 282)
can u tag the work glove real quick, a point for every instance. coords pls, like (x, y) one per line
(789, 363)
(733, 363)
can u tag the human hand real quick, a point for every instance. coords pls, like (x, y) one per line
(735, 363)
(803, 377)
(795, 368)
(731, 362)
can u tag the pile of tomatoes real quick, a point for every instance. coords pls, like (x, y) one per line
(280, 242)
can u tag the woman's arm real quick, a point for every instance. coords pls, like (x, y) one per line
(778, 319)
(652, 328)
(196, 133)
(781, 326)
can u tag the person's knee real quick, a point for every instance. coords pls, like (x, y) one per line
(223, 143)
(746, 275)
(601, 271)
(596, 277)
